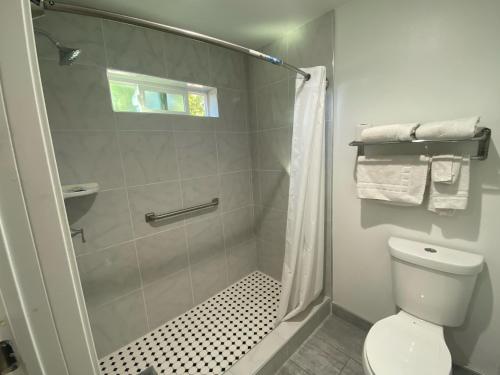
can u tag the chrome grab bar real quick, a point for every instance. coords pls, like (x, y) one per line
(152, 217)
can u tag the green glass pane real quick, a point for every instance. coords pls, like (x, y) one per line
(123, 97)
(175, 102)
(154, 100)
(197, 105)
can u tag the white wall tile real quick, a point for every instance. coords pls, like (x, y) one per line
(88, 156)
(159, 198)
(197, 154)
(162, 254)
(76, 96)
(205, 239)
(148, 157)
(234, 152)
(186, 59)
(168, 297)
(104, 217)
(118, 323)
(134, 49)
(109, 273)
(236, 190)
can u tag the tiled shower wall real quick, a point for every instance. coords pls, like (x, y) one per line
(136, 276)
(272, 93)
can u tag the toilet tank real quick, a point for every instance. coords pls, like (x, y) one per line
(432, 282)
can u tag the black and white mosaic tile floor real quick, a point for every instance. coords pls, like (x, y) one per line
(207, 339)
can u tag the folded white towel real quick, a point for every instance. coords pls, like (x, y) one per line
(444, 199)
(445, 168)
(453, 129)
(398, 179)
(393, 132)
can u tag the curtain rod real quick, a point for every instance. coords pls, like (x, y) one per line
(84, 11)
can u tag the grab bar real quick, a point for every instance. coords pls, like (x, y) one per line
(151, 216)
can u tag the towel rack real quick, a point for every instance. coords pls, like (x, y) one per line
(151, 216)
(482, 136)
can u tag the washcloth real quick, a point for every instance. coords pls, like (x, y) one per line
(445, 199)
(445, 168)
(397, 179)
(453, 129)
(393, 132)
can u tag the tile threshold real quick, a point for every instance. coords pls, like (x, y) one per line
(273, 351)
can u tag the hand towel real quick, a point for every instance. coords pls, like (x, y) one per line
(453, 129)
(393, 132)
(445, 199)
(397, 179)
(445, 168)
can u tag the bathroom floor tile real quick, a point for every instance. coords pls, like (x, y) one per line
(334, 348)
(352, 368)
(343, 336)
(319, 358)
(291, 368)
(207, 339)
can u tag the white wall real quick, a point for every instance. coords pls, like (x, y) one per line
(402, 60)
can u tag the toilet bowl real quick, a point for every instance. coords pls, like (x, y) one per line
(432, 285)
(402, 344)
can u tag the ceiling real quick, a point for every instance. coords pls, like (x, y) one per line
(252, 23)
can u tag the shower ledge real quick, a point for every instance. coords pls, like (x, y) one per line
(273, 351)
(79, 190)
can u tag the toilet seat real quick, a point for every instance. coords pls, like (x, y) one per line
(404, 344)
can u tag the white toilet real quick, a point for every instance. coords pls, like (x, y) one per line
(432, 285)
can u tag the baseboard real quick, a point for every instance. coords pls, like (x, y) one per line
(365, 325)
(354, 319)
(460, 370)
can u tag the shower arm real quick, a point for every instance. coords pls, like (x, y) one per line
(48, 36)
(85, 11)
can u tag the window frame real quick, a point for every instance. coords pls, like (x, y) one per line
(144, 83)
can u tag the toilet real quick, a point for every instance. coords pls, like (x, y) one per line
(432, 286)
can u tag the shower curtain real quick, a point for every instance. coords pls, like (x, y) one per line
(302, 279)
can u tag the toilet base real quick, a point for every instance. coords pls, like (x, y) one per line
(366, 366)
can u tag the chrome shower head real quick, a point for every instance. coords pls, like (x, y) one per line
(67, 55)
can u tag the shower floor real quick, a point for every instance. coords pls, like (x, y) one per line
(207, 339)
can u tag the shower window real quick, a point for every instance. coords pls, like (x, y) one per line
(132, 92)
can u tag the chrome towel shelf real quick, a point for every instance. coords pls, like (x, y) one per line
(483, 137)
(152, 217)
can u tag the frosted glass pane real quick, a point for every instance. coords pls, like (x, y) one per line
(124, 97)
(175, 102)
(197, 105)
(154, 100)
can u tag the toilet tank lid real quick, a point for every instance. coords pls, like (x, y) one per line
(436, 257)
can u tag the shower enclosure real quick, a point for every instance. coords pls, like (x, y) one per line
(195, 292)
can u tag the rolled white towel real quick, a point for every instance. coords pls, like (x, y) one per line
(392, 132)
(463, 128)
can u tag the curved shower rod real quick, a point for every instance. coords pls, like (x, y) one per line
(84, 11)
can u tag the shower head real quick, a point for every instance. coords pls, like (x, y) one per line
(67, 55)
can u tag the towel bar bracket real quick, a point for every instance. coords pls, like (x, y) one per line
(483, 137)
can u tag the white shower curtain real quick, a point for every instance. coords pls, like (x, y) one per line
(302, 279)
